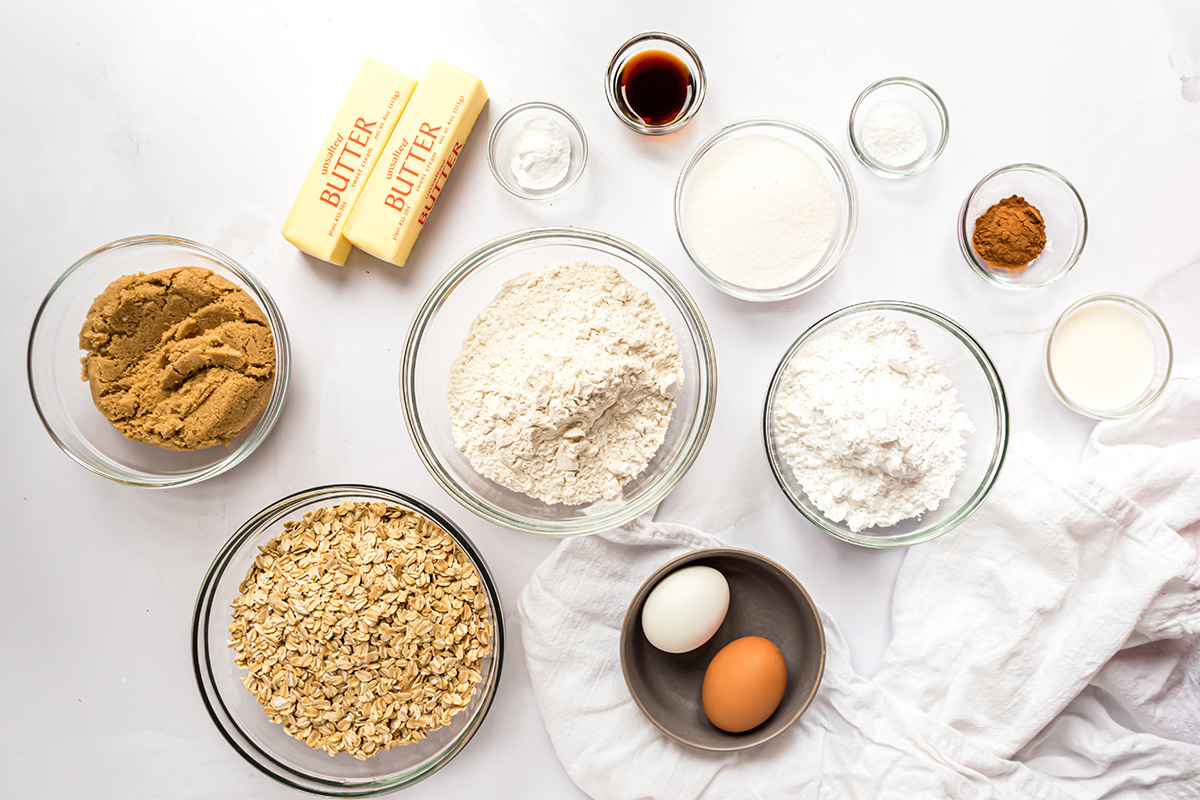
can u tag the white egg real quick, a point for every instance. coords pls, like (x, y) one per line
(685, 609)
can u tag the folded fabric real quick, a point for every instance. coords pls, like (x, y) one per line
(1046, 649)
(1135, 730)
(1022, 607)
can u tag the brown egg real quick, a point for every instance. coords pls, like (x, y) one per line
(744, 684)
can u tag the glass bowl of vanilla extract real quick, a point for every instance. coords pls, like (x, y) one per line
(655, 83)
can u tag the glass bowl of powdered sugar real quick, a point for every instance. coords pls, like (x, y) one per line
(558, 381)
(886, 424)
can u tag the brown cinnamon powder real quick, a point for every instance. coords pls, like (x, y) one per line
(1010, 234)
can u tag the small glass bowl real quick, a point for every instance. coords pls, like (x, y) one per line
(845, 199)
(240, 717)
(1164, 356)
(918, 96)
(962, 360)
(1061, 207)
(504, 134)
(655, 40)
(436, 336)
(64, 402)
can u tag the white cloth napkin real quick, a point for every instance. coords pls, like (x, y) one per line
(1046, 649)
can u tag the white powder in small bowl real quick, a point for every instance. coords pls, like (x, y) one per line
(893, 134)
(540, 156)
(759, 212)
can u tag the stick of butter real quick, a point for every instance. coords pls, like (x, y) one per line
(416, 161)
(349, 153)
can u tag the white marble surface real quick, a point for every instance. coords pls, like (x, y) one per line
(200, 119)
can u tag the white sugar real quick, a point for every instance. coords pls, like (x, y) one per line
(759, 212)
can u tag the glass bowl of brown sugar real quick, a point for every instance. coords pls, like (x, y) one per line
(66, 404)
(1022, 226)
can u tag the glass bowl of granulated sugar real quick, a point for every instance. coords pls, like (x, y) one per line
(561, 384)
(886, 424)
(766, 209)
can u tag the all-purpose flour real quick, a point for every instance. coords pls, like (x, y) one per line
(564, 386)
(869, 425)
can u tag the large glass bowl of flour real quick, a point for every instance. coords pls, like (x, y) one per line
(980, 392)
(436, 336)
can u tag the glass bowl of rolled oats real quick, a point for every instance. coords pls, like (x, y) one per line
(347, 640)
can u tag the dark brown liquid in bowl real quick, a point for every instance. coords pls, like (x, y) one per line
(656, 86)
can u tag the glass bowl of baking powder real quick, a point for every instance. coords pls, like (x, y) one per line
(974, 378)
(537, 151)
(442, 323)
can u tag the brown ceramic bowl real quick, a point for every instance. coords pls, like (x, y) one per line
(764, 600)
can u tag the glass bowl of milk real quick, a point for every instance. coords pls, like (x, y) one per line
(1108, 356)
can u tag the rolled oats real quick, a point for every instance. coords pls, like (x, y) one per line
(362, 627)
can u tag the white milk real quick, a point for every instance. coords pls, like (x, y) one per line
(1102, 356)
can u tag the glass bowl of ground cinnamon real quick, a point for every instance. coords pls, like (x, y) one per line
(1022, 226)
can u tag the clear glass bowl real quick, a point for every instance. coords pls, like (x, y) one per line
(1061, 208)
(980, 391)
(1164, 356)
(918, 96)
(240, 717)
(845, 199)
(441, 325)
(505, 132)
(64, 402)
(655, 40)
